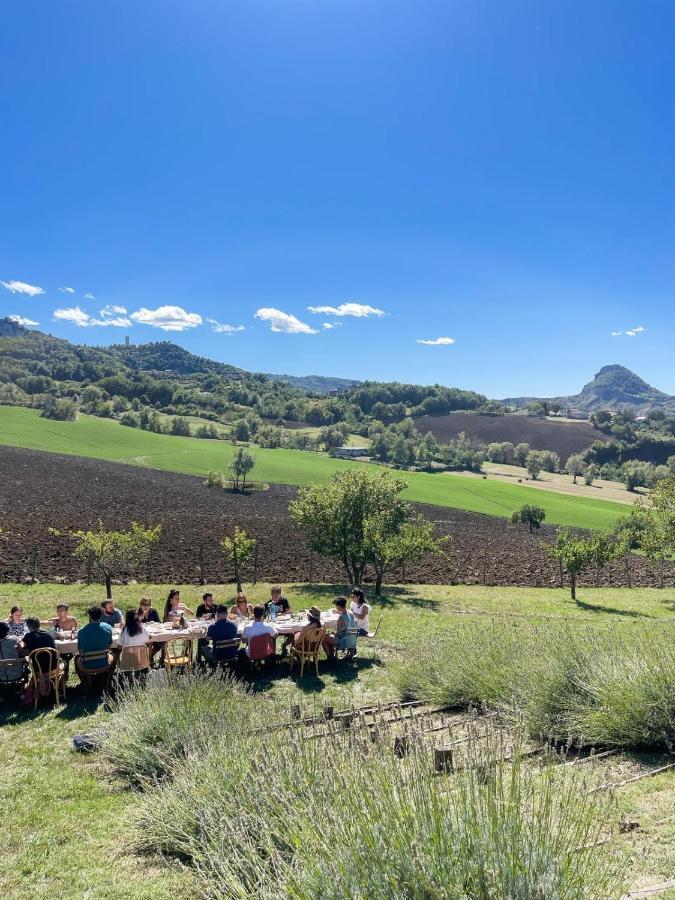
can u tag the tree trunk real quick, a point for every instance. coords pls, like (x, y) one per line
(108, 586)
(573, 586)
(574, 479)
(378, 581)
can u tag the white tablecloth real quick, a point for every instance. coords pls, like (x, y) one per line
(198, 628)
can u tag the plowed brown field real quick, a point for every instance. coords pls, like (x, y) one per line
(39, 491)
(564, 438)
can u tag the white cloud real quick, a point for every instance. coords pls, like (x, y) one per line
(222, 328)
(436, 342)
(630, 332)
(67, 290)
(110, 310)
(89, 297)
(20, 287)
(283, 322)
(82, 319)
(168, 318)
(21, 320)
(359, 310)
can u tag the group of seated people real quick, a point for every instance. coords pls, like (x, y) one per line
(19, 637)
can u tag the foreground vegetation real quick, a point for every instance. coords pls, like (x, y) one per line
(93, 818)
(106, 439)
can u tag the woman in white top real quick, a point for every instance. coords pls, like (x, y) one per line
(361, 610)
(173, 608)
(134, 633)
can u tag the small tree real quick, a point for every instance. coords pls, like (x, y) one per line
(241, 465)
(115, 552)
(574, 552)
(387, 548)
(575, 466)
(242, 431)
(550, 461)
(590, 474)
(334, 516)
(534, 464)
(520, 454)
(532, 516)
(238, 550)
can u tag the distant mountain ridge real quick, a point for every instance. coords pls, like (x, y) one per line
(614, 387)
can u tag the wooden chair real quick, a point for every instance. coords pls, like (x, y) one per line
(12, 676)
(92, 675)
(133, 659)
(349, 648)
(309, 648)
(231, 644)
(178, 655)
(46, 674)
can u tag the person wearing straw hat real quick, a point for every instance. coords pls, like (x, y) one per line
(314, 622)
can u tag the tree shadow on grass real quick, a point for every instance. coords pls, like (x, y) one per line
(77, 706)
(392, 596)
(340, 673)
(612, 610)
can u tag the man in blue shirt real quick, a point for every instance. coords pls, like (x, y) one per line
(95, 636)
(110, 614)
(223, 629)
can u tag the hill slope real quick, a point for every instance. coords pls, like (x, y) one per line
(613, 387)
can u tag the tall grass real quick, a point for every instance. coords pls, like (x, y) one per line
(587, 686)
(275, 814)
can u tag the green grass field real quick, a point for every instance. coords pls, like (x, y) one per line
(107, 439)
(67, 826)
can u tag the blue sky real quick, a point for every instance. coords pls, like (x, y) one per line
(496, 173)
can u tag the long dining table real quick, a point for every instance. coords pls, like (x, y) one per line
(197, 628)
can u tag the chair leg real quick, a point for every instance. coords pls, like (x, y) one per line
(302, 665)
(316, 662)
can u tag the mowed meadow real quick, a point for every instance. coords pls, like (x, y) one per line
(107, 439)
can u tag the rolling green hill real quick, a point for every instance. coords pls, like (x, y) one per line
(106, 439)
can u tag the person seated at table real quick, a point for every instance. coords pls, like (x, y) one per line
(63, 621)
(223, 629)
(257, 627)
(314, 622)
(281, 603)
(16, 622)
(36, 639)
(110, 614)
(174, 608)
(9, 649)
(146, 612)
(96, 636)
(242, 609)
(346, 622)
(206, 609)
(361, 610)
(134, 633)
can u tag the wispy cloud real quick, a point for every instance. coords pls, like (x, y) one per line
(630, 332)
(436, 342)
(111, 310)
(283, 322)
(167, 318)
(20, 287)
(223, 328)
(82, 319)
(67, 290)
(89, 297)
(22, 320)
(359, 310)
(329, 325)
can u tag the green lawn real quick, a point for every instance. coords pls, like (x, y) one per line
(67, 825)
(107, 439)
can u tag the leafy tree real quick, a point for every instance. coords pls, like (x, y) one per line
(534, 464)
(590, 474)
(116, 552)
(238, 550)
(180, 426)
(341, 518)
(387, 547)
(241, 431)
(576, 554)
(532, 516)
(636, 474)
(575, 466)
(520, 454)
(241, 464)
(550, 461)
(63, 410)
